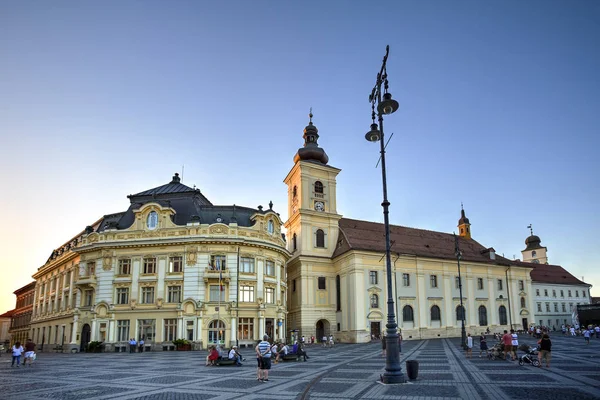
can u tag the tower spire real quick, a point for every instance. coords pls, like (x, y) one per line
(464, 226)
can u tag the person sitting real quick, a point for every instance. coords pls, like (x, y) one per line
(234, 355)
(212, 356)
(282, 352)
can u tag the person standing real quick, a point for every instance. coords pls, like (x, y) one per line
(507, 342)
(263, 352)
(330, 340)
(400, 341)
(482, 344)
(17, 350)
(324, 341)
(469, 346)
(383, 345)
(29, 352)
(545, 350)
(132, 345)
(141, 345)
(586, 335)
(302, 339)
(514, 343)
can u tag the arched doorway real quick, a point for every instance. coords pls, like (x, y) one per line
(216, 332)
(86, 334)
(322, 328)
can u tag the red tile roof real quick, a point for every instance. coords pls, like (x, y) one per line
(8, 314)
(547, 273)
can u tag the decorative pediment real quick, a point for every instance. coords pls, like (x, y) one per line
(524, 312)
(375, 315)
(218, 229)
(374, 290)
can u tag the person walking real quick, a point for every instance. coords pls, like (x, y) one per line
(586, 335)
(29, 352)
(17, 350)
(469, 346)
(383, 345)
(263, 352)
(545, 350)
(141, 345)
(483, 344)
(324, 341)
(330, 340)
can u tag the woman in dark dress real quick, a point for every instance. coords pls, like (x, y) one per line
(483, 347)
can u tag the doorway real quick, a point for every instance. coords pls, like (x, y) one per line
(269, 324)
(525, 324)
(375, 330)
(322, 329)
(86, 334)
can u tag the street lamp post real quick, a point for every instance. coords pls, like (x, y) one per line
(386, 105)
(463, 333)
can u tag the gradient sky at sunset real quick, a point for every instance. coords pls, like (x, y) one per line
(499, 109)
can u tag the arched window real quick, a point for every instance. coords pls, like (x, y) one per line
(216, 332)
(460, 313)
(482, 316)
(294, 192)
(522, 302)
(152, 220)
(407, 314)
(270, 226)
(320, 238)
(502, 314)
(294, 242)
(435, 313)
(374, 301)
(338, 293)
(318, 187)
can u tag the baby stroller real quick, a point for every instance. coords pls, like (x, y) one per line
(530, 356)
(495, 353)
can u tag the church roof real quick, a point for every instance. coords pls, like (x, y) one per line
(547, 273)
(370, 236)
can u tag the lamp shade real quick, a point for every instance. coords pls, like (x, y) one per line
(387, 105)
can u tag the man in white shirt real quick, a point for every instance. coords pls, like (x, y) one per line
(234, 355)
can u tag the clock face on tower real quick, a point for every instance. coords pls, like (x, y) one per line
(319, 206)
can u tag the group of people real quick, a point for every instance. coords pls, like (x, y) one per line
(18, 350)
(133, 344)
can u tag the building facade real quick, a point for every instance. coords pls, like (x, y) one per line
(174, 266)
(21, 317)
(337, 275)
(5, 327)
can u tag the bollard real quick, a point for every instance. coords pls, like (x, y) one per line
(412, 369)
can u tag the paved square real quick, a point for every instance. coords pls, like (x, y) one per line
(344, 372)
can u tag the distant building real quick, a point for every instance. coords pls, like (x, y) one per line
(21, 317)
(5, 320)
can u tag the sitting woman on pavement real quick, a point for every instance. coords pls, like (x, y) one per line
(212, 356)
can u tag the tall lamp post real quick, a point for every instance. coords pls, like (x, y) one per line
(463, 334)
(385, 105)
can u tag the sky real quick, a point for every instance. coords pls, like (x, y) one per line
(499, 110)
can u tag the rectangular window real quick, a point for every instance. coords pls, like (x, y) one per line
(67, 304)
(91, 268)
(270, 268)
(294, 285)
(539, 307)
(537, 292)
(68, 279)
(146, 329)
(433, 281)
(583, 293)
(247, 265)
(564, 307)
(246, 329)
(562, 293)
(247, 294)
(218, 263)
(373, 277)
(547, 307)
(546, 292)
(480, 283)
(555, 307)
(553, 293)
(149, 265)
(456, 282)
(147, 295)
(216, 294)
(577, 293)
(500, 284)
(569, 292)
(406, 280)
(125, 266)
(321, 283)
(570, 307)
(123, 330)
(190, 330)
(270, 295)
(175, 264)
(174, 294)
(521, 285)
(170, 330)
(88, 297)
(122, 295)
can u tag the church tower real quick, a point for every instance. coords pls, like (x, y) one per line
(534, 252)
(464, 226)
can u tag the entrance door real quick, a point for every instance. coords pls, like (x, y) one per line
(525, 324)
(86, 334)
(375, 330)
(269, 327)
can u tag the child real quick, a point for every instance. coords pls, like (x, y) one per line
(17, 350)
(469, 346)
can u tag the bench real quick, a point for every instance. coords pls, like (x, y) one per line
(290, 357)
(58, 348)
(224, 361)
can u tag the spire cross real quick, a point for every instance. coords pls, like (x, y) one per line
(531, 229)
(310, 115)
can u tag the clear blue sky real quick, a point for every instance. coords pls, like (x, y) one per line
(499, 109)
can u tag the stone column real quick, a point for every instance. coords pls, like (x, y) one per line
(422, 304)
(75, 327)
(94, 333)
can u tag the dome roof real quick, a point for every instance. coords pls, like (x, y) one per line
(311, 150)
(533, 242)
(463, 219)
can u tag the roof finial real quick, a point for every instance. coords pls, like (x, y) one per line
(461, 206)
(310, 115)
(270, 205)
(530, 226)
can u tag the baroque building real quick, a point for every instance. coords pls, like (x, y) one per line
(21, 315)
(172, 266)
(337, 275)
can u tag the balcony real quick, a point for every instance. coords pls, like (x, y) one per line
(211, 274)
(86, 280)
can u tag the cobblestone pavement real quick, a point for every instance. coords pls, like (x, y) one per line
(344, 372)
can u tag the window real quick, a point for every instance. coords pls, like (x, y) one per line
(125, 266)
(216, 293)
(502, 315)
(294, 285)
(435, 313)
(374, 301)
(321, 283)
(479, 283)
(433, 281)
(88, 297)
(569, 292)
(122, 295)
(247, 294)
(218, 263)
(246, 329)
(295, 192)
(91, 269)
(68, 279)
(176, 264)
(564, 307)
(555, 307)
(174, 294)
(405, 280)
(523, 302)
(553, 293)
(247, 265)
(482, 316)
(547, 307)
(147, 295)
(146, 329)
(216, 332)
(338, 294)
(521, 285)
(270, 226)
(318, 187)
(152, 220)
(539, 307)
(270, 268)
(67, 304)
(373, 277)
(537, 292)
(270, 295)
(533, 253)
(460, 313)
(320, 236)
(149, 265)
(583, 293)
(577, 293)
(189, 325)
(500, 284)
(170, 333)
(407, 314)
(294, 242)
(456, 282)
(562, 293)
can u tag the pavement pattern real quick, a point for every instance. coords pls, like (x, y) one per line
(347, 371)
